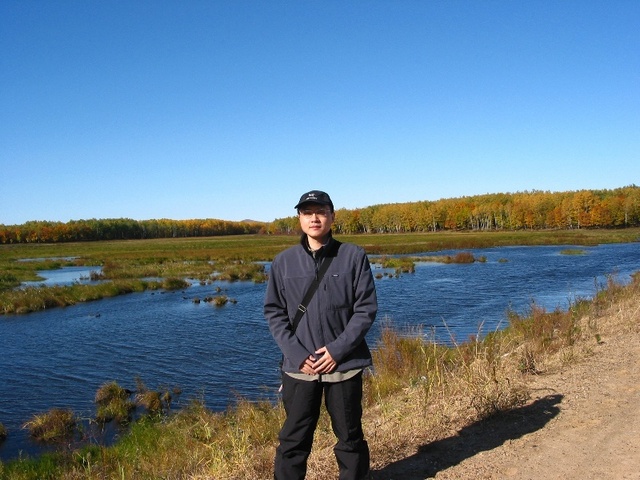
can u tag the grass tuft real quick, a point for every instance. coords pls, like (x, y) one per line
(113, 404)
(460, 257)
(173, 283)
(572, 251)
(55, 425)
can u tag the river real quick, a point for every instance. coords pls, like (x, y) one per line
(60, 357)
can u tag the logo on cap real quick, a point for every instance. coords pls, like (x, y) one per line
(315, 196)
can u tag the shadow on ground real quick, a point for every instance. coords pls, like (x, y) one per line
(481, 436)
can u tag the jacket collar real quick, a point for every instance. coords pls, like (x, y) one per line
(325, 250)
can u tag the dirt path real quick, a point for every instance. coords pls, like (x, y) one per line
(581, 423)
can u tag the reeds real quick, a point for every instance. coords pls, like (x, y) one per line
(54, 425)
(238, 271)
(8, 281)
(460, 257)
(407, 264)
(32, 299)
(173, 283)
(220, 300)
(478, 368)
(399, 264)
(572, 251)
(154, 402)
(113, 403)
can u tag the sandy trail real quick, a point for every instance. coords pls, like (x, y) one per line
(582, 422)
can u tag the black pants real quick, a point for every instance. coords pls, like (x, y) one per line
(302, 401)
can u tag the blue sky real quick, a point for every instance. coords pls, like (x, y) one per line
(233, 109)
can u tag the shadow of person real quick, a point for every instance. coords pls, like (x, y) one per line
(480, 436)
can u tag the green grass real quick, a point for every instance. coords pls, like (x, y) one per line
(126, 264)
(180, 257)
(32, 299)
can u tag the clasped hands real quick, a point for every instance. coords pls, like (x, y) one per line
(320, 363)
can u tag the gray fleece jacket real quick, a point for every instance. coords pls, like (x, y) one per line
(338, 316)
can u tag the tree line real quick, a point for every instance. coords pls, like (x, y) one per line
(122, 229)
(535, 210)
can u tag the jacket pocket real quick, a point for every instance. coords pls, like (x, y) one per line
(339, 291)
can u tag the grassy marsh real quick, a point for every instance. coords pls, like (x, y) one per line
(126, 264)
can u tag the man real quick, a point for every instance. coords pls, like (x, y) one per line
(326, 352)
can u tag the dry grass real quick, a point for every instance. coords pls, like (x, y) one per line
(494, 379)
(52, 426)
(31, 299)
(113, 404)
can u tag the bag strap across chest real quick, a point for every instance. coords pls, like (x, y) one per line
(302, 308)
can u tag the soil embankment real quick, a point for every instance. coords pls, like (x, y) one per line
(582, 422)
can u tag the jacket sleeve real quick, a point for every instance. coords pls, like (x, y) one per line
(365, 308)
(276, 314)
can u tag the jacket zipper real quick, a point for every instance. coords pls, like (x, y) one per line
(316, 262)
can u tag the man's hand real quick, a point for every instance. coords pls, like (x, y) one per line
(325, 362)
(307, 365)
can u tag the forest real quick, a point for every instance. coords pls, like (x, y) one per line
(534, 210)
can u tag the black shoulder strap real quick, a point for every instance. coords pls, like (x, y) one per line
(302, 308)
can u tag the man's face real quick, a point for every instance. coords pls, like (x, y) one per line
(316, 220)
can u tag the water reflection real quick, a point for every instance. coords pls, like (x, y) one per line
(66, 276)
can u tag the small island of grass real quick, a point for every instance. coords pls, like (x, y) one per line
(573, 251)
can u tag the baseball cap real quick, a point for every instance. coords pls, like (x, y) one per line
(315, 196)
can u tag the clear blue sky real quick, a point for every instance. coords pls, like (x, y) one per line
(232, 109)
